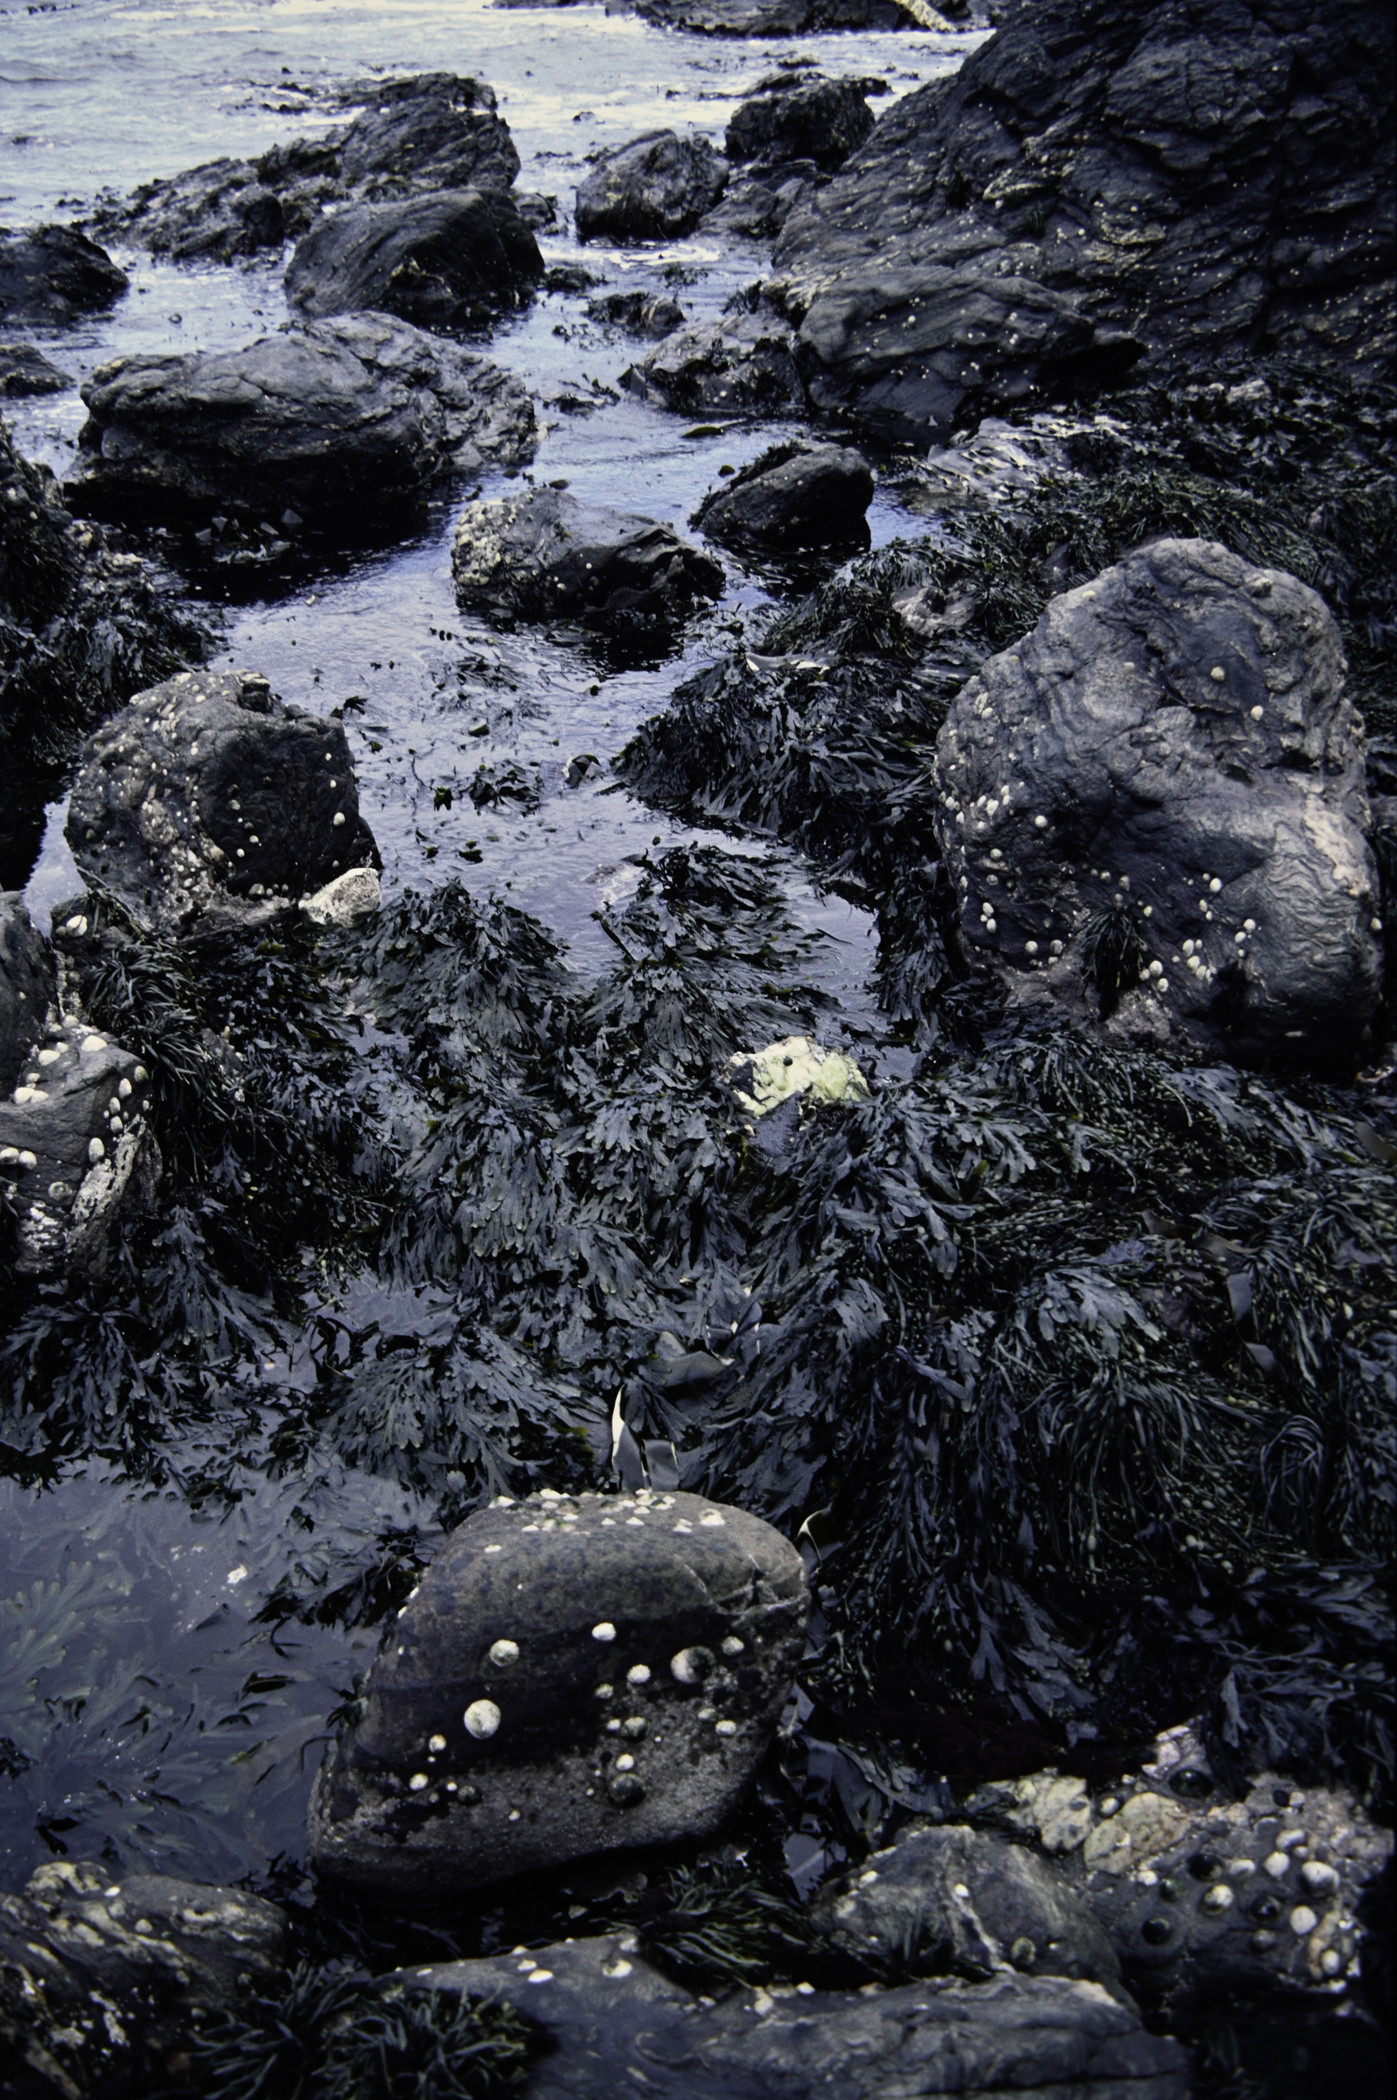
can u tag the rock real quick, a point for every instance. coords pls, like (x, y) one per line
(350, 897)
(795, 495)
(545, 555)
(214, 213)
(209, 797)
(800, 119)
(25, 370)
(639, 313)
(1058, 208)
(430, 131)
(318, 417)
(966, 1900)
(763, 1079)
(442, 260)
(779, 17)
(759, 205)
(617, 2024)
(1166, 771)
(53, 274)
(76, 1150)
(653, 189)
(574, 1675)
(103, 1979)
(27, 987)
(737, 366)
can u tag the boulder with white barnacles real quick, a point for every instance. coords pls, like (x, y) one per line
(1153, 809)
(574, 1675)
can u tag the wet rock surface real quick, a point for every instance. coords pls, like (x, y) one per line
(441, 260)
(208, 797)
(794, 119)
(53, 274)
(547, 556)
(731, 367)
(103, 1979)
(1058, 208)
(615, 2019)
(574, 1675)
(651, 189)
(639, 313)
(25, 370)
(354, 408)
(775, 17)
(1158, 797)
(27, 986)
(796, 495)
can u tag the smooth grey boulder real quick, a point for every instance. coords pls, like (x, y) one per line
(1166, 772)
(25, 370)
(652, 189)
(324, 418)
(800, 119)
(209, 797)
(1096, 186)
(545, 556)
(446, 259)
(27, 986)
(574, 1675)
(619, 2026)
(740, 365)
(795, 495)
(54, 273)
(103, 1980)
(76, 1150)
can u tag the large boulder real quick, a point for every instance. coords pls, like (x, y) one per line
(741, 365)
(27, 986)
(574, 1675)
(429, 131)
(800, 119)
(1096, 185)
(210, 798)
(322, 418)
(53, 274)
(618, 2025)
(443, 260)
(1154, 813)
(652, 189)
(545, 556)
(795, 495)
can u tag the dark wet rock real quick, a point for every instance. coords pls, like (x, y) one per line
(27, 987)
(758, 205)
(536, 209)
(210, 798)
(76, 1150)
(639, 313)
(440, 261)
(574, 1675)
(617, 2024)
(25, 370)
(795, 495)
(103, 1979)
(214, 213)
(53, 274)
(742, 364)
(355, 408)
(431, 131)
(817, 120)
(1166, 769)
(544, 555)
(775, 17)
(1094, 186)
(965, 1900)
(652, 189)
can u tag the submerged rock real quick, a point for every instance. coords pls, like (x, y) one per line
(731, 367)
(359, 407)
(653, 189)
(800, 119)
(545, 556)
(208, 797)
(617, 2023)
(54, 273)
(27, 986)
(639, 313)
(795, 495)
(442, 260)
(25, 370)
(573, 1675)
(1157, 798)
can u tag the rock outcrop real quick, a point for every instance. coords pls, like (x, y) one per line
(1154, 812)
(654, 188)
(1095, 187)
(741, 365)
(25, 370)
(446, 259)
(54, 273)
(574, 1675)
(792, 117)
(210, 798)
(796, 495)
(322, 418)
(547, 556)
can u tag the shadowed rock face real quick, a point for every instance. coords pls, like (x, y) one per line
(1098, 185)
(655, 188)
(547, 556)
(1167, 761)
(793, 496)
(53, 273)
(440, 260)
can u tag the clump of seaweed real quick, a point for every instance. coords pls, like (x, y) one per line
(1112, 954)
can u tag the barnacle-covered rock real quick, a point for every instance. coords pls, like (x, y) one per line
(574, 1675)
(546, 556)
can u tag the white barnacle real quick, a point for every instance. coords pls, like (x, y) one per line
(1156, 968)
(436, 1744)
(713, 1519)
(1302, 1920)
(726, 1728)
(1217, 674)
(733, 1645)
(689, 1666)
(639, 1673)
(417, 1782)
(604, 1691)
(337, 821)
(1040, 823)
(1249, 926)
(96, 1150)
(1257, 713)
(503, 1653)
(603, 1631)
(482, 1718)
(625, 1762)
(1214, 886)
(1030, 947)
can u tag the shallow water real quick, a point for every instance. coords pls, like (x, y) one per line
(150, 1716)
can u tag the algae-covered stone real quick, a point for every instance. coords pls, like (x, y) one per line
(574, 1675)
(763, 1079)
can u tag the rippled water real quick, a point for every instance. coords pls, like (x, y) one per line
(133, 1664)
